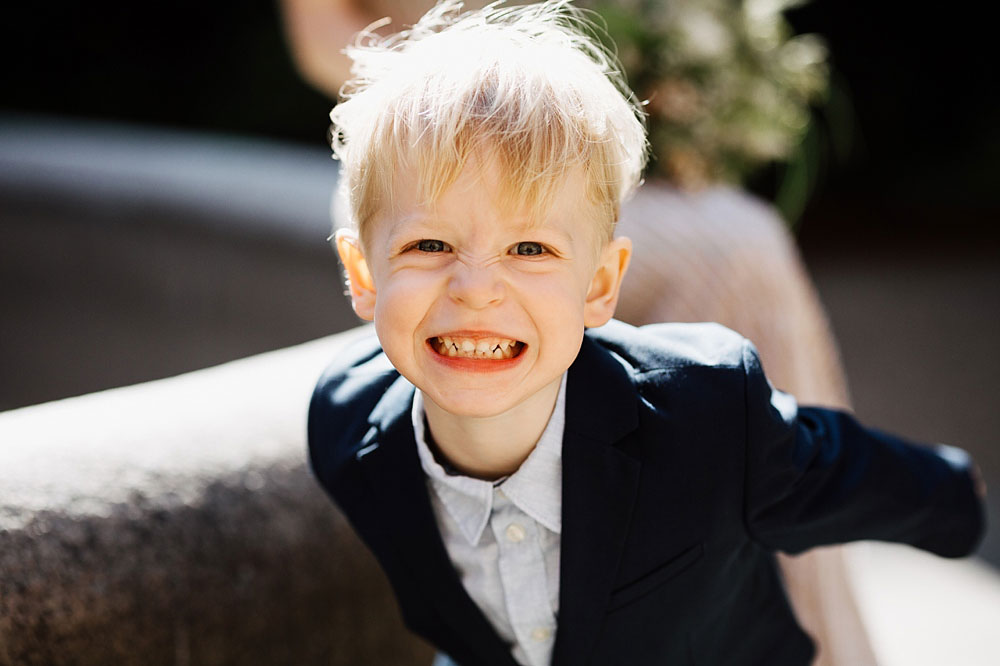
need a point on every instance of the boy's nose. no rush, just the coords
(476, 285)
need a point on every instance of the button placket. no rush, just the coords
(523, 576)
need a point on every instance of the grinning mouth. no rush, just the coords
(479, 348)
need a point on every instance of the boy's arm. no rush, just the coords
(816, 476)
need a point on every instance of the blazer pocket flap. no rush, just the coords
(659, 576)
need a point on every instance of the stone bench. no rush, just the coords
(175, 522)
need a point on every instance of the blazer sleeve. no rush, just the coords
(815, 476)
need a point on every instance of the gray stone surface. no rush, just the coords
(176, 523)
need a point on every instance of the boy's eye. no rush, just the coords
(529, 249)
(430, 245)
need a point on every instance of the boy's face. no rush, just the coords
(476, 306)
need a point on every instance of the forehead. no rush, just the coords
(483, 189)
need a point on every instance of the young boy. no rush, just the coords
(538, 492)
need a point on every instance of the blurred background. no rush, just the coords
(164, 185)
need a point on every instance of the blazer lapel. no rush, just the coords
(394, 472)
(600, 480)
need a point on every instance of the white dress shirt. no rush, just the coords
(503, 536)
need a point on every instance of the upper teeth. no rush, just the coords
(476, 348)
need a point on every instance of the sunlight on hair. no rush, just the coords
(528, 86)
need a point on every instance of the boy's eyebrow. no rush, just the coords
(417, 223)
(408, 226)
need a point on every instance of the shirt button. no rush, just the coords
(515, 533)
(540, 633)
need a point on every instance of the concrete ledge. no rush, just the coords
(247, 186)
(923, 609)
(175, 522)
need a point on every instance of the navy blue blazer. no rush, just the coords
(683, 471)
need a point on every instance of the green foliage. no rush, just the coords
(728, 87)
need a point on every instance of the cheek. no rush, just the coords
(564, 292)
(403, 302)
(405, 289)
(556, 307)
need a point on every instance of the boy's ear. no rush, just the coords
(360, 284)
(602, 297)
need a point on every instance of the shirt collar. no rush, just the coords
(535, 488)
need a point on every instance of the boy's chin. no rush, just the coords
(472, 402)
(491, 400)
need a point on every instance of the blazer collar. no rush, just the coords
(600, 480)
(393, 472)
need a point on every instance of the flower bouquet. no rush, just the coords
(727, 85)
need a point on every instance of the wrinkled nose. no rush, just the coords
(476, 285)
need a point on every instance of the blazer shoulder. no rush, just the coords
(342, 401)
(673, 346)
(357, 363)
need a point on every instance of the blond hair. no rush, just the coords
(530, 86)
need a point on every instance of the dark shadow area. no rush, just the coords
(218, 66)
